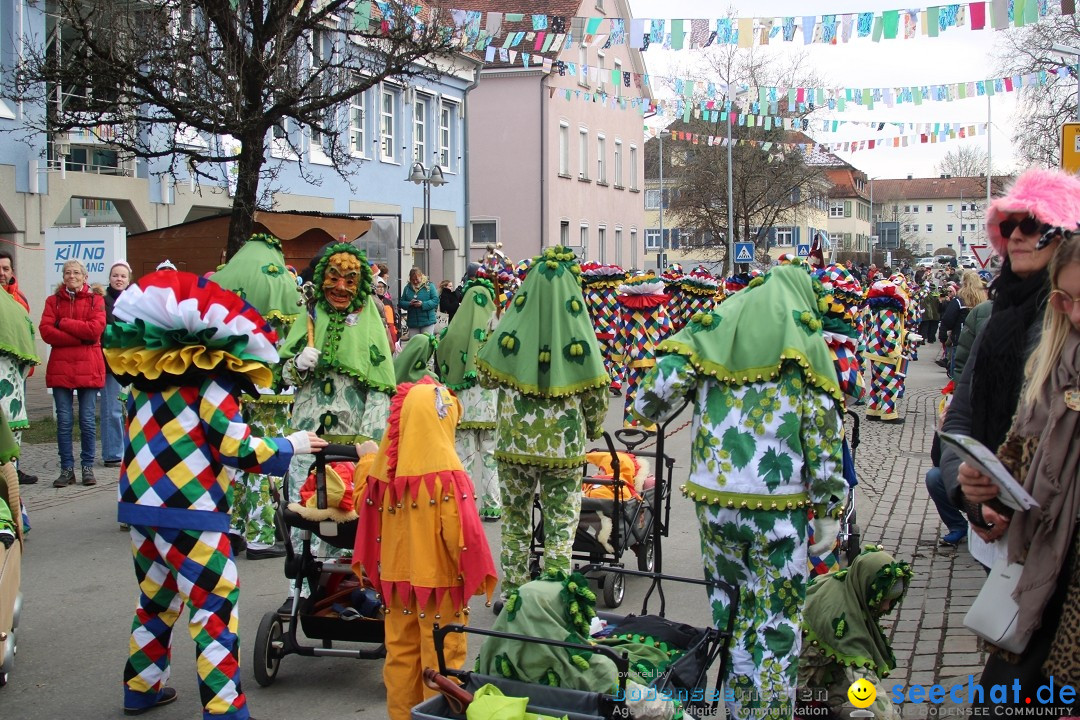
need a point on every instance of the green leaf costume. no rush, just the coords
(257, 273)
(17, 356)
(465, 335)
(411, 363)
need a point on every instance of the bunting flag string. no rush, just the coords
(476, 32)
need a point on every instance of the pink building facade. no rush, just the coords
(547, 170)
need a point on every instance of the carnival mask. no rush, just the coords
(342, 280)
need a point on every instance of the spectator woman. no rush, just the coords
(112, 411)
(72, 323)
(970, 294)
(1042, 454)
(419, 300)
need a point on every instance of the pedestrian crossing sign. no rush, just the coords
(744, 252)
(802, 250)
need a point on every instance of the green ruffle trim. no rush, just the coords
(362, 380)
(9, 456)
(749, 375)
(745, 501)
(475, 425)
(469, 380)
(509, 380)
(535, 461)
(270, 399)
(286, 320)
(811, 637)
(6, 349)
(18, 424)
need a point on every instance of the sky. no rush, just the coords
(956, 55)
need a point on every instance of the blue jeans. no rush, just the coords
(63, 399)
(953, 518)
(112, 421)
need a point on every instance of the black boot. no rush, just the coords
(26, 478)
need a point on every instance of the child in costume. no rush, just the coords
(843, 640)
(257, 273)
(189, 349)
(552, 384)
(643, 323)
(456, 359)
(338, 362)
(767, 444)
(420, 541)
(886, 338)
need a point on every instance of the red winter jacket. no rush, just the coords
(72, 325)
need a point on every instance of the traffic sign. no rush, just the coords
(802, 250)
(982, 254)
(1070, 147)
(744, 252)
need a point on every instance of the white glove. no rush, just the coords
(825, 531)
(915, 337)
(307, 359)
(301, 445)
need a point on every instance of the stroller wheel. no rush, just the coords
(646, 556)
(854, 543)
(267, 656)
(614, 589)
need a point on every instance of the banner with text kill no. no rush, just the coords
(95, 247)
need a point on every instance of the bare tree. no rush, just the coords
(197, 84)
(964, 161)
(1041, 109)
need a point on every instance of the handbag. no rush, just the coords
(994, 614)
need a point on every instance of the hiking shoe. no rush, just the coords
(67, 477)
(26, 478)
(88, 476)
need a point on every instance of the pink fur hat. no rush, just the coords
(1051, 195)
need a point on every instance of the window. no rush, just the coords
(633, 168)
(484, 233)
(785, 236)
(929, 208)
(601, 156)
(357, 122)
(583, 154)
(633, 248)
(963, 207)
(837, 239)
(601, 238)
(948, 228)
(836, 209)
(446, 118)
(600, 67)
(583, 66)
(618, 246)
(279, 145)
(564, 233)
(583, 240)
(617, 161)
(929, 228)
(907, 228)
(847, 241)
(420, 135)
(652, 240)
(652, 199)
(564, 149)
(387, 124)
(949, 207)
(617, 78)
(907, 209)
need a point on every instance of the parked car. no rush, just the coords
(926, 262)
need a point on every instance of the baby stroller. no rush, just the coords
(850, 536)
(338, 610)
(619, 511)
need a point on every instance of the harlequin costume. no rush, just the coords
(257, 273)
(739, 281)
(346, 393)
(643, 323)
(843, 639)
(552, 387)
(697, 293)
(885, 340)
(456, 359)
(189, 349)
(18, 356)
(420, 542)
(598, 285)
(767, 444)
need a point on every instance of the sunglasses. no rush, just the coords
(1063, 302)
(1028, 226)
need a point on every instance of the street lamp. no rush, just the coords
(660, 264)
(422, 176)
(730, 200)
(1074, 52)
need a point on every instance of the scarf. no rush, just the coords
(752, 334)
(998, 367)
(465, 335)
(16, 331)
(841, 613)
(545, 344)
(1053, 479)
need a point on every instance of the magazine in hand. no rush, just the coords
(978, 456)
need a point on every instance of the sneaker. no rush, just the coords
(88, 476)
(111, 463)
(954, 537)
(67, 477)
(26, 478)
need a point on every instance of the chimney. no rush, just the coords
(943, 176)
(909, 177)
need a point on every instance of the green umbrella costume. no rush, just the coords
(17, 357)
(258, 274)
(411, 363)
(346, 395)
(767, 443)
(549, 371)
(456, 358)
(844, 641)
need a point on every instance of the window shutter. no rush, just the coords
(796, 235)
(847, 208)
(676, 233)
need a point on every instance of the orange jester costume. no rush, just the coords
(420, 541)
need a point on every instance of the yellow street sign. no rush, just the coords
(1070, 147)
